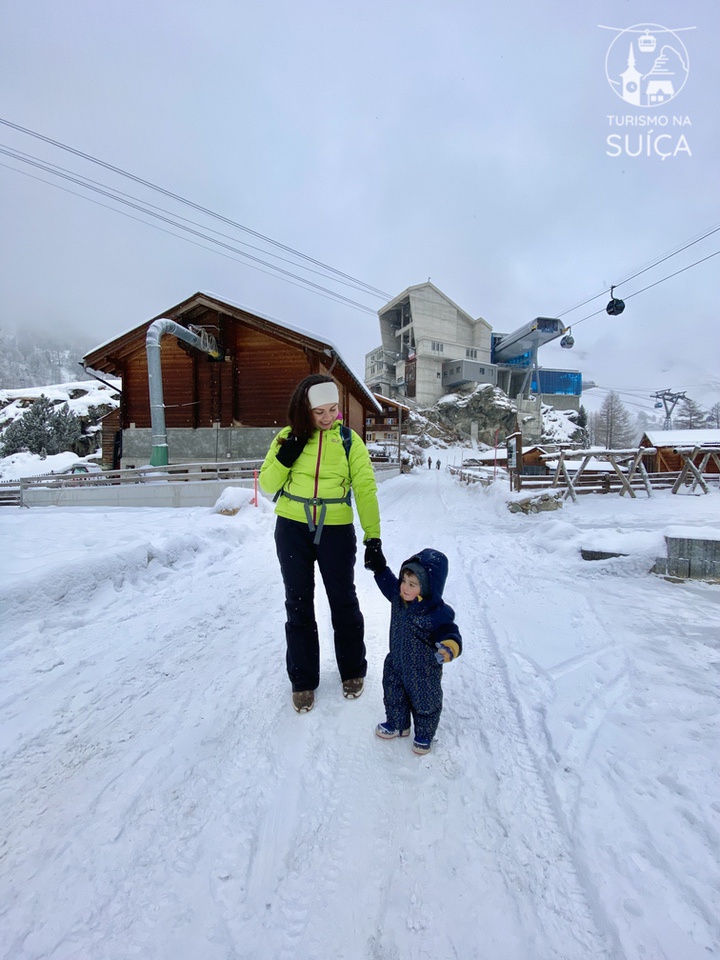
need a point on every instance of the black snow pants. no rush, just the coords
(335, 557)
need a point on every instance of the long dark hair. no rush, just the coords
(299, 411)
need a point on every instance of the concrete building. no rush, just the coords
(421, 331)
(431, 347)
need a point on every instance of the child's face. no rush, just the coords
(325, 416)
(409, 587)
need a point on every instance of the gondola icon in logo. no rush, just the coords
(647, 65)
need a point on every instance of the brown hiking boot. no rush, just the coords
(353, 688)
(303, 700)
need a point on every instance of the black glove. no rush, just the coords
(290, 450)
(374, 558)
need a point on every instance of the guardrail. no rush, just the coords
(9, 493)
(173, 473)
(239, 472)
(483, 476)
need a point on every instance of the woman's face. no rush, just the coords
(325, 416)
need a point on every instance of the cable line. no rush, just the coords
(170, 233)
(190, 203)
(180, 226)
(577, 323)
(71, 174)
(650, 266)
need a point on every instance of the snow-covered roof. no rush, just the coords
(682, 438)
(392, 402)
(501, 453)
(79, 395)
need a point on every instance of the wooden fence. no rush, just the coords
(575, 472)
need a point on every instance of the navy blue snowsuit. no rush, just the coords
(412, 676)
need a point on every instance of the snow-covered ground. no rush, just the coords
(26, 464)
(160, 799)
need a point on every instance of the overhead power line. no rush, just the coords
(170, 220)
(237, 259)
(195, 206)
(318, 267)
(121, 196)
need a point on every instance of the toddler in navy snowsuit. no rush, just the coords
(423, 636)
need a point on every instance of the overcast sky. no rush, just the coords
(393, 141)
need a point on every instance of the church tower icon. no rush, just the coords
(631, 81)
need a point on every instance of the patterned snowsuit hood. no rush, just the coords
(431, 568)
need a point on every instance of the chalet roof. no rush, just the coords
(501, 453)
(681, 438)
(104, 357)
(392, 402)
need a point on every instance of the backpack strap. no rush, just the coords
(346, 436)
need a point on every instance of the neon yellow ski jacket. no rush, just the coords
(324, 471)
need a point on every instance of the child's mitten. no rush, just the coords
(444, 653)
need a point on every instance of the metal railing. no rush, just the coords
(171, 473)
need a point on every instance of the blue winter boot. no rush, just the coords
(387, 732)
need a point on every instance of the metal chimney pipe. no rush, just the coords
(157, 329)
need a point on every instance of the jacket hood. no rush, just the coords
(431, 568)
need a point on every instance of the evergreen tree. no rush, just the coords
(612, 425)
(581, 436)
(42, 429)
(690, 416)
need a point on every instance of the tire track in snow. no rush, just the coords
(539, 861)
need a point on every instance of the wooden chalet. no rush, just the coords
(227, 408)
(531, 458)
(386, 425)
(668, 442)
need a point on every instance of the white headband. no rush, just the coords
(321, 393)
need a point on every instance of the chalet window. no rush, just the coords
(436, 347)
(471, 354)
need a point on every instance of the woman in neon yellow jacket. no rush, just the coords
(313, 466)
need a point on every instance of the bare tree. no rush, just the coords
(713, 416)
(612, 427)
(690, 416)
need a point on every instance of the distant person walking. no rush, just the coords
(429, 463)
(313, 466)
(437, 464)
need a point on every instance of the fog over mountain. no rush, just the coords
(30, 358)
